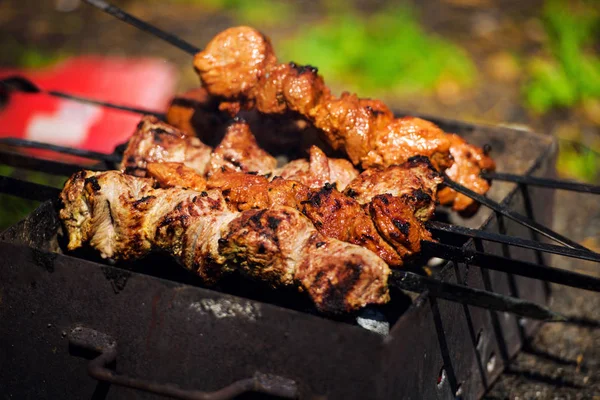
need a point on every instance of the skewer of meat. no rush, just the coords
(156, 141)
(239, 66)
(124, 217)
(387, 221)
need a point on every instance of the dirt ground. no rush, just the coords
(563, 360)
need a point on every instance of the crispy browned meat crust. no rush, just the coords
(124, 217)
(340, 216)
(319, 170)
(240, 66)
(176, 175)
(469, 161)
(238, 151)
(416, 182)
(156, 141)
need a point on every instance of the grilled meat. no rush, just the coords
(238, 151)
(124, 217)
(416, 181)
(176, 175)
(392, 234)
(469, 161)
(319, 170)
(239, 65)
(156, 141)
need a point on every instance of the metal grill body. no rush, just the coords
(171, 331)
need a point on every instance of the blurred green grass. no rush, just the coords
(255, 12)
(569, 71)
(567, 76)
(385, 52)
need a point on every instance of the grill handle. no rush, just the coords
(99, 342)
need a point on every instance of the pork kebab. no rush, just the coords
(156, 141)
(239, 67)
(125, 217)
(381, 209)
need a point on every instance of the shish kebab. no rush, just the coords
(373, 212)
(211, 241)
(445, 290)
(172, 148)
(183, 113)
(380, 209)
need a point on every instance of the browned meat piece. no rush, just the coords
(238, 151)
(319, 170)
(176, 175)
(123, 217)
(416, 181)
(244, 191)
(469, 161)
(234, 61)
(364, 129)
(337, 215)
(407, 137)
(397, 224)
(156, 141)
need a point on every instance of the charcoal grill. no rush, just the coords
(168, 329)
(165, 333)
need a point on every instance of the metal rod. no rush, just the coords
(475, 297)
(21, 84)
(435, 226)
(521, 219)
(47, 166)
(543, 182)
(27, 190)
(511, 266)
(145, 26)
(32, 144)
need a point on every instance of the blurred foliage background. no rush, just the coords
(531, 64)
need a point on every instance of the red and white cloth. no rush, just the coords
(146, 83)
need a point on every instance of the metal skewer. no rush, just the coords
(46, 166)
(511, 266)
(543, 182)
(24, 85)
(435, 226)
(32, 144)
(130, 19)
(521, 219)
(27, 190)
(466, 295)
